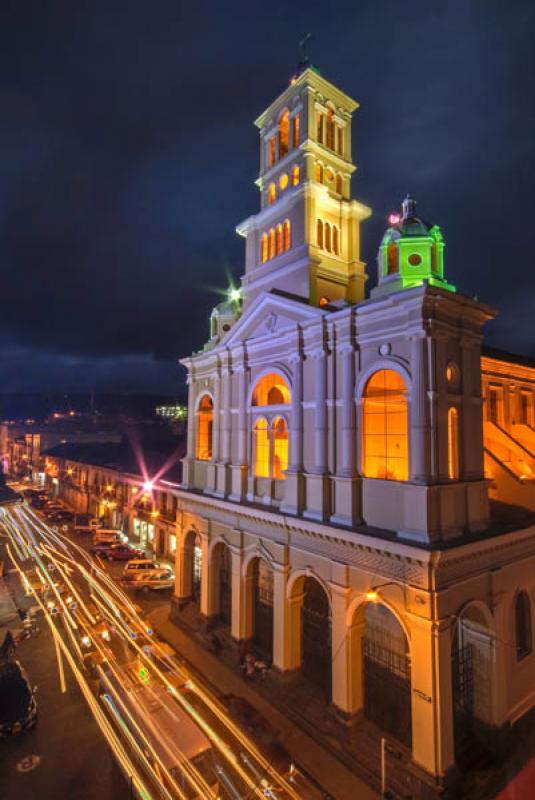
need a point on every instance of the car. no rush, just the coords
(162, 579)
(122, 552)
(18, 707)
(101, 548)
(143, 565)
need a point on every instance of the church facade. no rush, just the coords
(334, 512)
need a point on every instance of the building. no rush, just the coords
(334, 512)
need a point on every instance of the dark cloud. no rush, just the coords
(128, 155)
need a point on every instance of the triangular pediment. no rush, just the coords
(269, 316)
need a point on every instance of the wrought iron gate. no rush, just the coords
(387, 688)
(316, 661)
(263, 614)
(224, 591)
(463, 694)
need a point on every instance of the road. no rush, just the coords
(170, 735)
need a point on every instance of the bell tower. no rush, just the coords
(305, 240)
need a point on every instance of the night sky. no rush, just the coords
(128, 155)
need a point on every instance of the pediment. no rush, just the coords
(270, 316)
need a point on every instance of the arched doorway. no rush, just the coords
(472, 659)
(221, 574)
(386, 673)
(192, 567)
(261, 577)
(316, 656)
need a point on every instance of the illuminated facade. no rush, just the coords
(338, 518)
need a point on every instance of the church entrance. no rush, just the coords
(316, 661)
(262, 576)
(387, 677)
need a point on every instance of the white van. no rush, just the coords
(109, 535)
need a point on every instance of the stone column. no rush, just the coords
(223, 468)
(341, 651)
(211, 471)
(207, 600)
(431, 695)
(239, 470)
(346, 504)
(182, 572)
(419, 471)
(282, 649)
(294, 486)
(188, 462)
(238, 627)
(317, 493)
(471, 422)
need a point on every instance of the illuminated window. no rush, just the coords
(319, 173)
(271, 151)
(329, 175)
(271, 390)
(327, 237)
(280, 448)
(205, 417)
(272, 193)
(319, 127)
(451, 373)
(319, 233)
(283, 181)
(453, 444)
(385, 451)
(392, 262)
(295, 176)
(493, 405)
(271, 249)
(339, 140)
(264, 248)
(261, 445)
(278, 245)
(330, 129)
(522, 625)
(335, 240)
(284, 134)
(286, 235)
(295, 130)
(339, 184)
(524, 408)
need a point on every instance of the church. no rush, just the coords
(354, 464)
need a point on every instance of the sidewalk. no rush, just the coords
(325, 768)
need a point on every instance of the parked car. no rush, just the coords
(122, 552)
(101, 548)
(144, 566)
(164, 579)
(18, 707)
(108, 535)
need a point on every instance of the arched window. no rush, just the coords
(339, 140)
(339, 184)
(287, 241)
(319, 127)
(385, 448)
(295, 175)
(271, 151)
(392, 264)
(330, 129)
(280, 448)
(453, 444)
(319, 173)
(272, 193)
(261, 449)
(271, 250)
(264, 248)
(335, 240)
(327, 237)
(205, 417)
(295, 130)
(278, 246)
(523, 625)
(319, 233)
(284, 134)
(271, 390)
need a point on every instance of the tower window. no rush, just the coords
(295, 130)
(319, 173)
(385, 427)
(271, 251)
(392, 264)
(493, 406)
(284, 134)
(319, 127)
(272, 193)
(283, 181)
(286, 235)
(330, 129)
(453, 444)
(339, 184)
(319, 233)
(295, 176)
(524, 408)
(271, 144)
(335, 240)
(339, 140)
(278, 248)
(205, 417)
(329, 175)
(264, 248)
(327, 237)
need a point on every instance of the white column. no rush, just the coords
(341, 650)
(282, 630)
(238, 625)
(217, 411)
(206, 602)
(227, 399)
(191, 416)
(320, 433)
(347, 465)
(296, 427)
(418, 416)
(242, 414)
